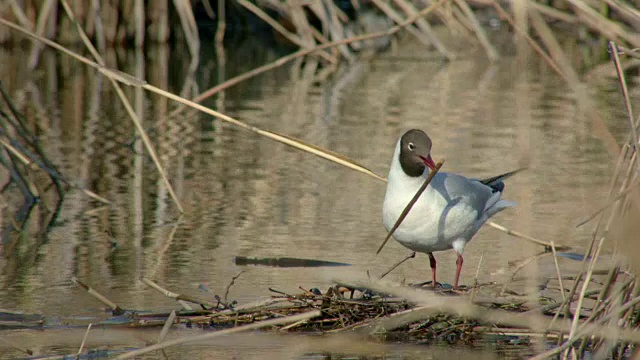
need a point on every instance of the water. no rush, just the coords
(245, 195)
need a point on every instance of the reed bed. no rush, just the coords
(311, 24)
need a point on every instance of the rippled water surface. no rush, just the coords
(246, 195)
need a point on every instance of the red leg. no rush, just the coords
(432, 263)
(459, 262)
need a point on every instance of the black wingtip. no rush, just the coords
(496, 182)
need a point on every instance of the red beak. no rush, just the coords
(429, 162)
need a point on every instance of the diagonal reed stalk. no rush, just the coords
(84, 340)
(167, 326)
(611, 202)
(176, 296)
(117, 310)
(410, 205)
(394, 266)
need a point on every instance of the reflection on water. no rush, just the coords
(247, 196)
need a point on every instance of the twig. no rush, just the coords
(233, 280)
(555, 261)
(475, 282)
(410, 204)
(585, 285)
(519, 266)
(84, 339)
(176, 296)
(191, 339)
(23, 158)
(117, 310)
(630, 52)
(601, 303)
(613, 49)
(524, 237)
(161, 253)
(167, 326)
(611, 202)
(410, 256)
(295, 324)
(549, 307)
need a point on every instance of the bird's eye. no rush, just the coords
(411, 146)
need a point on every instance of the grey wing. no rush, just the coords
(471, 193)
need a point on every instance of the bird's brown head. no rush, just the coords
(415, 152)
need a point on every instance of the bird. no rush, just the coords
(448, 213)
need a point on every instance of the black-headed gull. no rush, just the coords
(449, 212)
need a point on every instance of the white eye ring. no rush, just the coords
(411, 146)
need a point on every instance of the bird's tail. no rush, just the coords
(496, 183)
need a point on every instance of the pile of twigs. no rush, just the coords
(386, 312)
(342, 308)
(418, 314)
